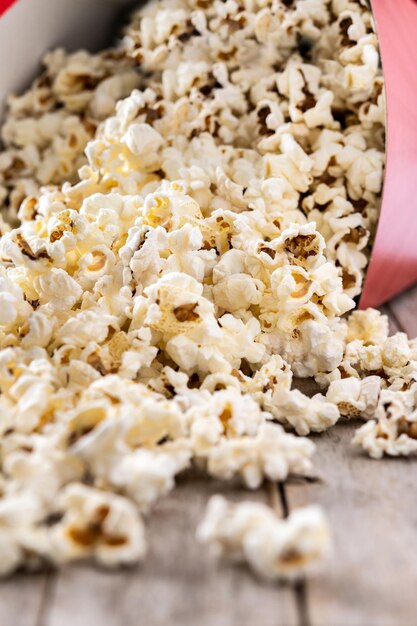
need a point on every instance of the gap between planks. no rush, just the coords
(370, 578)
(47, 592)
(56, 598)
(178, 583)
(278, 501)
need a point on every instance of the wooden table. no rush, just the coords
(370, 579)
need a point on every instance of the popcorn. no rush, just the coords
(21, 541)
(355, 398)
(368, 326)
(394, 430)
(37, 464)
(143, 141)
(147, 475)
(225, 412)
(97, 525)
(378, 439)
(57, 290)
(272, 547)
(304, 414)
(174, 259)
(12, 305)
(271, 454)
(47, 128)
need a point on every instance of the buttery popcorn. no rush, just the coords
(171, 260)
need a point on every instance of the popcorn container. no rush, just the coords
(28, 28)
(393, 264)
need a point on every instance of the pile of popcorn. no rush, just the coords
(156, 305)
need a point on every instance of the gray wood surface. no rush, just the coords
(178, 584)
(369, 580)
(371, 576)
(404, 310)
(21, 599)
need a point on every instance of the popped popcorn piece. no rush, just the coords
(303, 413)
(272, 454)
(379, 438)
(274, 548)
(22, 541)
(394, 431)
(147, 475)
(369, 326)
(354, 397)
(98, 525)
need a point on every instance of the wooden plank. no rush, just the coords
(179, 583)
(404, 308)
(21, 599)
(370, 578)
(394, 325)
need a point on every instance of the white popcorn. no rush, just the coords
(42, 472)
(303, 413)
(272, 547)
(96, 524)
(225, 412)
(311, 348)
(12, 306)
(354, 397)
(110, 90)
(143, 141)
(84, 326)
(175, 258)
(57, 290)
(146, 475)
(238, 291)
(379, 439)
(396, 351)
(21, 539)
(394, 431)
(271, 454)
(369, 326)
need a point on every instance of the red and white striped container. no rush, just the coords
(28, 28)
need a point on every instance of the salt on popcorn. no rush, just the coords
(155, 307)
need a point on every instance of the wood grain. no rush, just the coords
(394, 325)
(178, 584)
(370, 578)
(404, 310)
(21, 599)
(369, 581)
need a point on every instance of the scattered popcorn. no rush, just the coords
(187, 219)
(304, 414)
(394, 431)
(22, 540)
(272, 454)
(98, 524)
(354, 397)
(274, 548)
